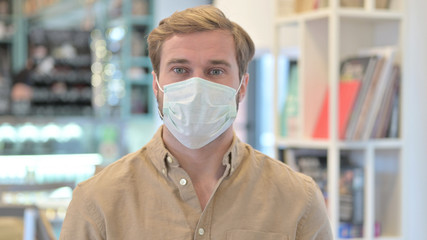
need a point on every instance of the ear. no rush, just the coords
(244, 87)
(154, 84)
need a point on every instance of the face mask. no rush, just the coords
(197, 111)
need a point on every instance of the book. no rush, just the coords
(348, 91)
(285, 7)
(351, 191)
(353, 71)
(350, 230)
(310, 162)
(388, 54)
(393, 128)
(360, 113)
(315, 167)
(289, 158)
(352, 3)
(383, 120)
(289, 126)
(372, 67)
(304, 5)
(382, 4)
(320, 4)
(5, 80)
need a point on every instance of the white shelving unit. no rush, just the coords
(320, 39)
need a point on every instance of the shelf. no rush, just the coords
(296, 18)
(135, 63)
(34, 187)
(344, 145)
(6, 17)
(45, 119)
(58, 8)
(133, 20)
(302, 143)
(370, 15)
(374, 143)
(7, 32)
(141, 20)
(139, 83)
(50, 160)
(141, 62)
(6, 41)
(360, 14)
(376, 238)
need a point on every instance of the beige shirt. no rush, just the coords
(147, 195)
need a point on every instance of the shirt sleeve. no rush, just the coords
(315, 224)
(83, 219)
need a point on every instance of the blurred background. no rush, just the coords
(76, 95)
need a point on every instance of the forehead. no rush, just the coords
(199, 47)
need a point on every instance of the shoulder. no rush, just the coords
(283, 176)
(124, 176)
(114, 176)
(296, 190)
(95, 201)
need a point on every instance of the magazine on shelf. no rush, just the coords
(368, 118)
(360, 113)
(355, 71)
(388, 54)
(354, 117)
(385, 114)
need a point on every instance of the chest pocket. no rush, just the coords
(254, 235)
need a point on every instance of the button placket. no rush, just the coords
(183, 184)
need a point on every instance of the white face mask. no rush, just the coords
(197, 111)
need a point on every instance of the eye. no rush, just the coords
(179, 70)
(216, 72)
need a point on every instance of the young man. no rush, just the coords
(195, 179)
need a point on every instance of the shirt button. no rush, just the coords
(183, 182)
(164, 171)
(201, 231)
(169, 159)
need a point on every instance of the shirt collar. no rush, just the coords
(158, 154)
(233, 156)
(157, 151)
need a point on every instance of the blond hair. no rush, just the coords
(199, 19)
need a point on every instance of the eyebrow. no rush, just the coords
(220, 62)
(185, 61)
(177, 60)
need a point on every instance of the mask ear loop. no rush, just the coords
(240, 85)
(158, 110)
(158, 85)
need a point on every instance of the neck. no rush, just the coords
(203, 163)
(204, 166)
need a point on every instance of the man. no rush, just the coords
(195, 179)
